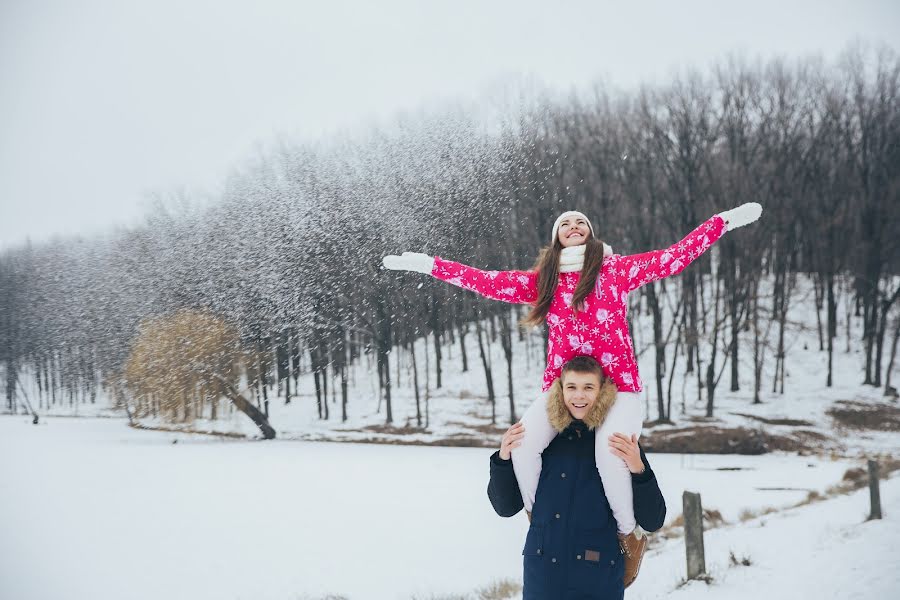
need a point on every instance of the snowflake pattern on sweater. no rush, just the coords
(601, 329)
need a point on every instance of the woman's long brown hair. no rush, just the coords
(547, 267)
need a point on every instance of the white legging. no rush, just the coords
(626, 415)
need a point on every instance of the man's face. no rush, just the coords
(580, 392)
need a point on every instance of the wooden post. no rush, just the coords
(874, 493)
(693, 535)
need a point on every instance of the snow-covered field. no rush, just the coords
(92, 509)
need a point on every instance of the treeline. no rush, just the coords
(290, 254)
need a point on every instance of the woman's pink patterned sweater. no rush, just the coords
(600, 330)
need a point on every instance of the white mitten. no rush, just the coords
(742, 215)
(409, 261)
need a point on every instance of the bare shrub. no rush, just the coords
(180, 364)
(499, 590)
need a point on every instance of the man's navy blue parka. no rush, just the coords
(572, 549)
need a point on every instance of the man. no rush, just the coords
(572, 548)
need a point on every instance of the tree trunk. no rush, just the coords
(818, 293)
(463, 330)
(711, 368)
(506, 342)
(757, 346)
(890, 367)
(660, 348)
(485, 359)
(383, 349)
(435, 330)
(882, 326)
(415, 370)
(831, 319)
(246, 407)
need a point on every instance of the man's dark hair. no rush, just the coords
(582, 364)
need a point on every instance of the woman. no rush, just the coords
(571, 548)
(580, 288)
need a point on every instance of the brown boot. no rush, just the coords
(632, 547)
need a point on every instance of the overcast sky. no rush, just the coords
(103, 102)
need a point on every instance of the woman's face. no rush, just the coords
(573, 231)
(580, 392)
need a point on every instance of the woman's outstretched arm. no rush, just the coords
(517, 287)
(636, 270)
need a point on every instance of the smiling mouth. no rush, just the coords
(579, 405)
(574, 234)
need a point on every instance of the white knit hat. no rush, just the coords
(565, 215)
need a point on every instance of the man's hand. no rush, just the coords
(627, 449)
(511, 439)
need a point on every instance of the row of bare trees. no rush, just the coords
(290, 255)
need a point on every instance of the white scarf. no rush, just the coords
(571, 259)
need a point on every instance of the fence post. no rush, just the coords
(693, 534)
(874, 493)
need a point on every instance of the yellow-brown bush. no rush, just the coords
(180, 363)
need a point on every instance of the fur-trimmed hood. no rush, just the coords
(561, 418)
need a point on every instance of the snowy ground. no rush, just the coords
(823, 550)
(92, 509)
